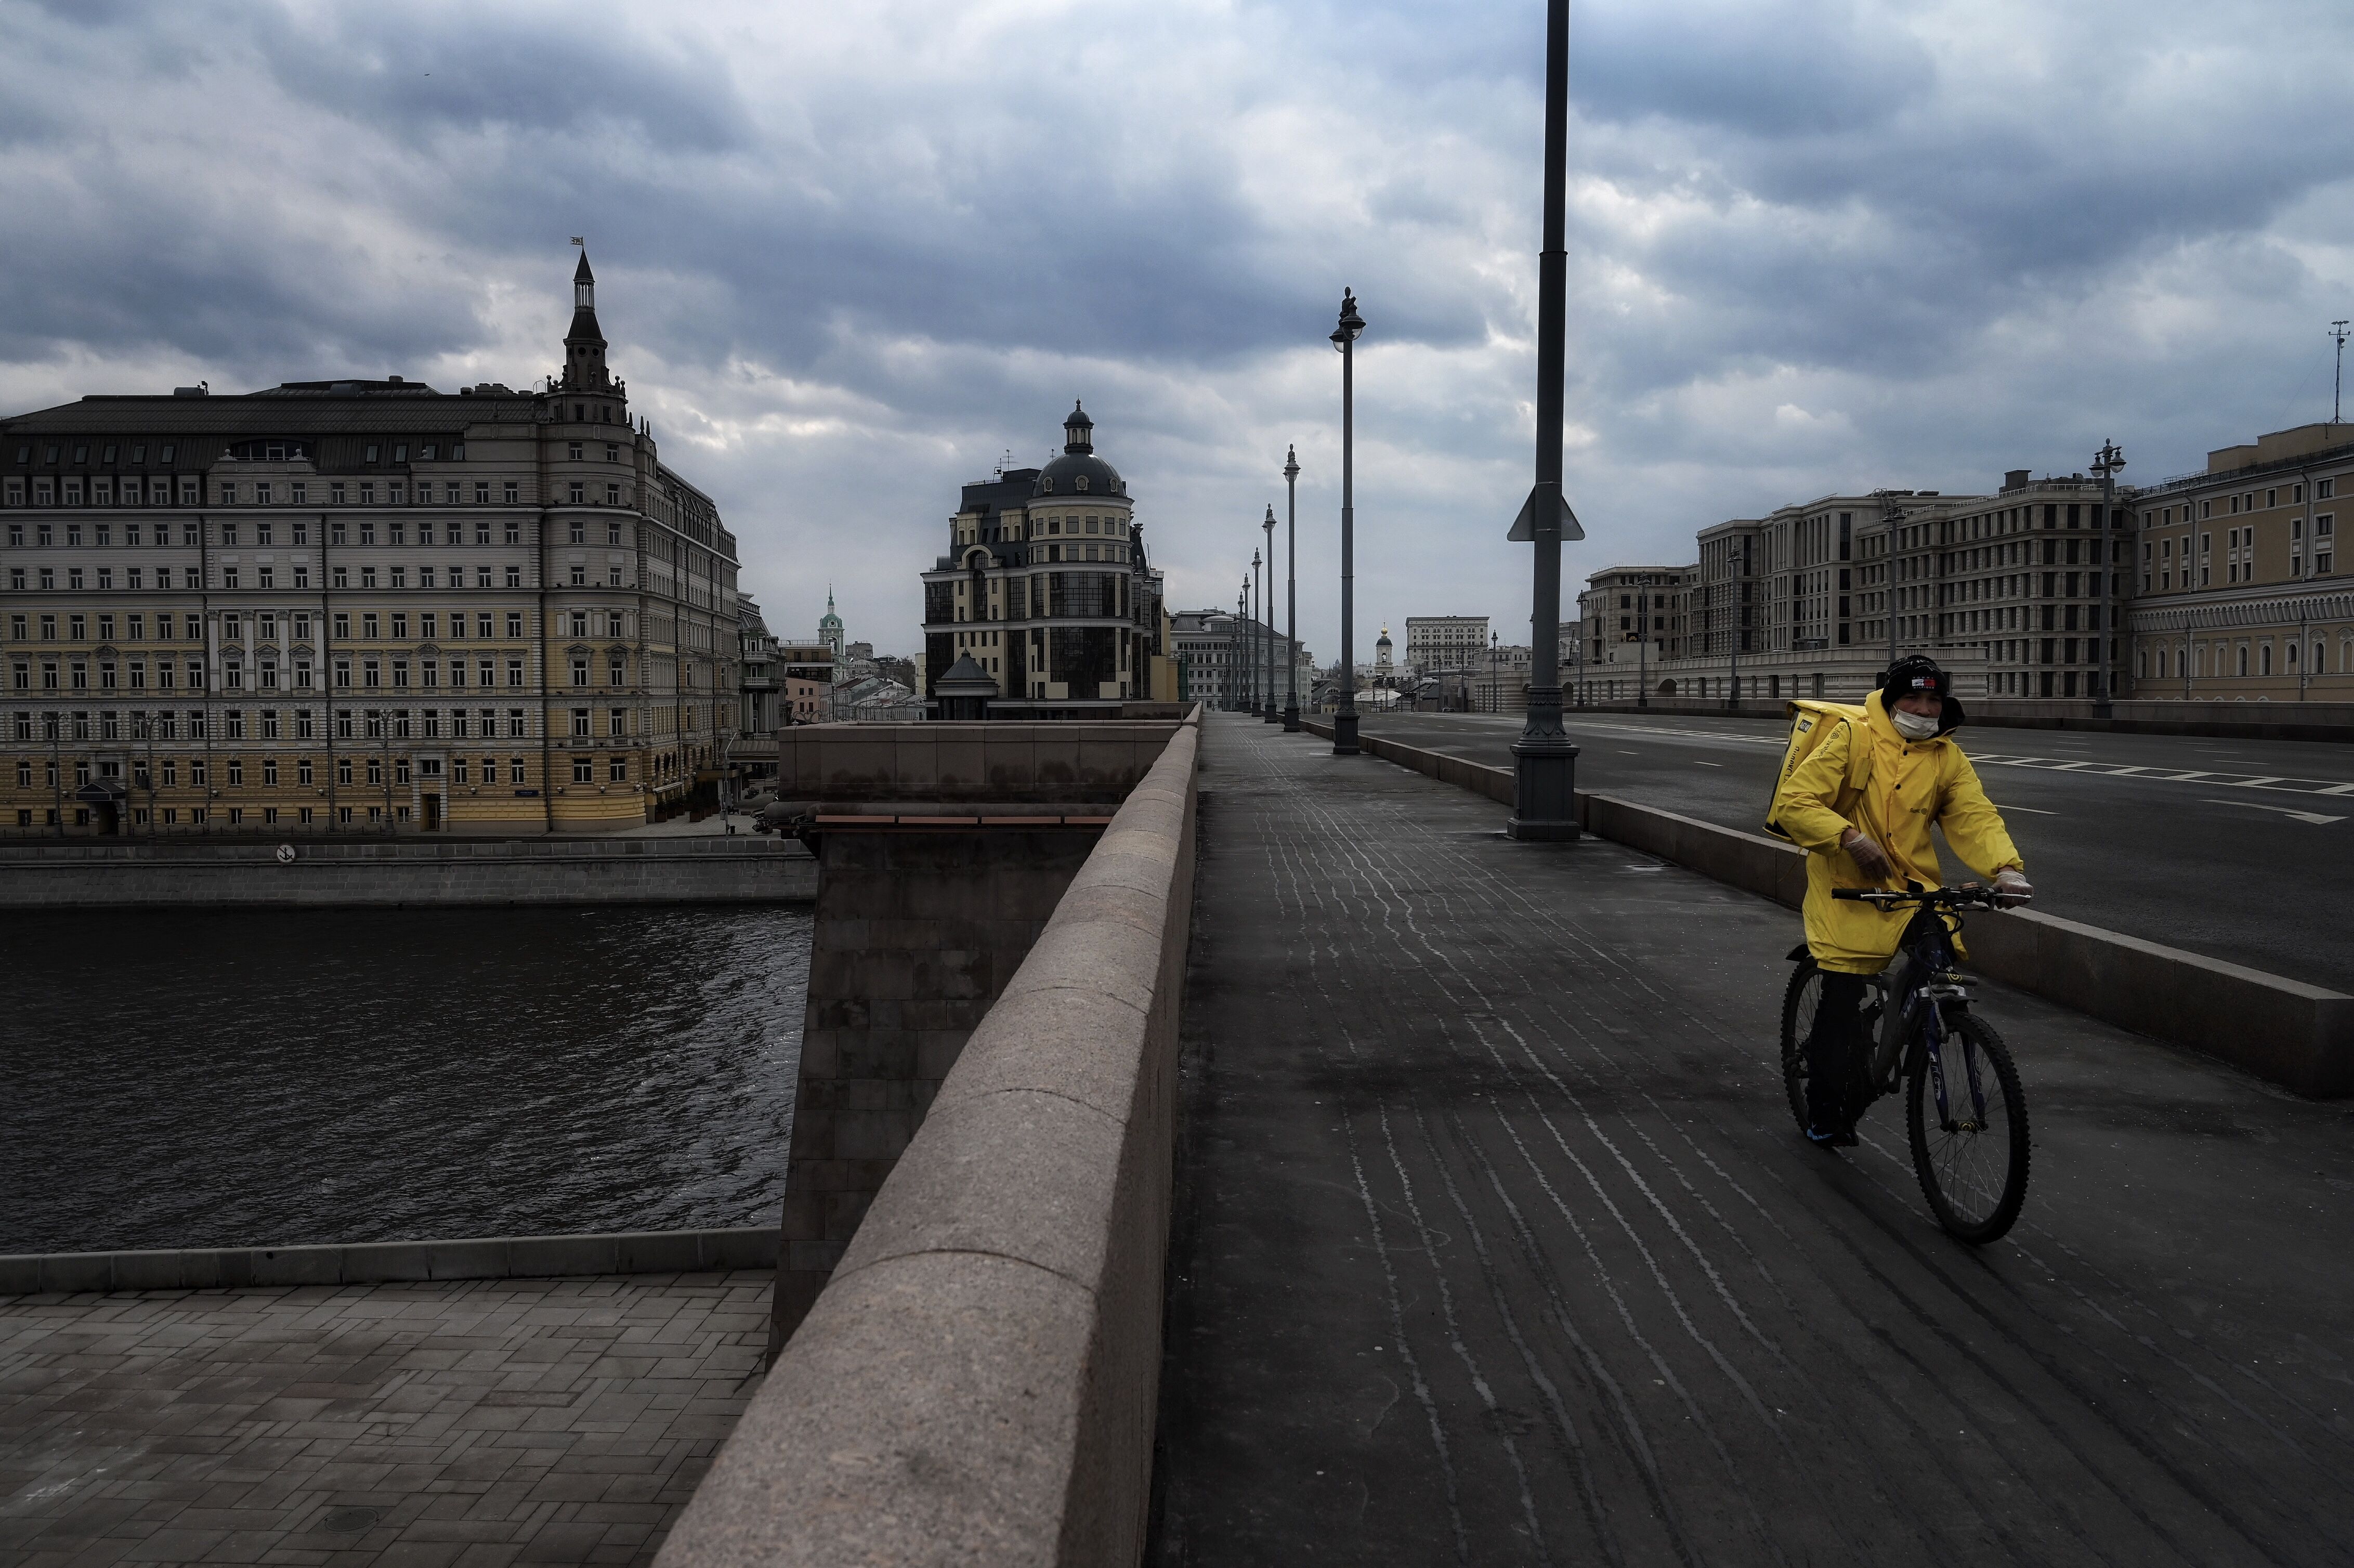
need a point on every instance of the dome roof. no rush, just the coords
(1078, 470)
(1061, 476)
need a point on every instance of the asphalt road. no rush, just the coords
(1495, 1241)
(2242, 850)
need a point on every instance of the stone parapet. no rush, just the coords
(997, 760)
(977, 1382)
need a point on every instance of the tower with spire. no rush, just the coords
(829, 629)
(583, 343)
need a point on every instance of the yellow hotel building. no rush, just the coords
(360, 607)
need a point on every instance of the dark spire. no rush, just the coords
(584, 345)
(1078, 430)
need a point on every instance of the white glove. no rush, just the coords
(1869, 857)
(2012, 888)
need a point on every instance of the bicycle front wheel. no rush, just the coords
(1800, 1001)
(1972, 1163)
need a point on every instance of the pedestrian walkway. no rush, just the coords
(1497, 1245)
(474, 1423)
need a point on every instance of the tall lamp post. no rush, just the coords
(1251, 627)
(1544, 763)
(1269, 715)
(1642, 650)
(1235, 650)
(1345, 721)
(2106, 463)
(1291, 588)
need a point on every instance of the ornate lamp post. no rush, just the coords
(1268, 715)
(1250, 629)
(2106, 463)
(1344, 722)
(1544, 763)
(1291, 588)
(1235, 650)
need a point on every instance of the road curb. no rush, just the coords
(2297, 1035)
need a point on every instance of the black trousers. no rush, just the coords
(1836, 1049)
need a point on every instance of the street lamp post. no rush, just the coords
(1344, 336)
(1544, 763)
(1250, 630)
(2106, 463)
(1235, 650)
(1642, 650)
(1291, 588)
(1268, 604)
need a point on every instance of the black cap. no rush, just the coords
(1918, 675)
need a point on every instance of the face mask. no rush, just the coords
(1912, 726)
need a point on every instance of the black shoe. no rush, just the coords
(1828, 1139)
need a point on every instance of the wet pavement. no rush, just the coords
(476, 1422)
(1496, 1241)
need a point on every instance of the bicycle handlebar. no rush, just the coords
(1970, 896)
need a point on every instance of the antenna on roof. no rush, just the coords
(2338, 331)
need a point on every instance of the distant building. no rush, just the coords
(828, 628)
(1384, 653)
(2238, 593)
(805, 681)
(1046, 588)
(1435, 642)
(1216, 654)
(759, 677)
(360, 606)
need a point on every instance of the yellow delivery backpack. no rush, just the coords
(1810, 721)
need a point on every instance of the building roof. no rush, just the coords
(311, 409)
(965, 679)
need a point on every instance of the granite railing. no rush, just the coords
(977, 1382)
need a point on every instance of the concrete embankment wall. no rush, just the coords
(997, 760)
(378, 1263)
(2297, 1035)
(637, 870)
(977, 1382)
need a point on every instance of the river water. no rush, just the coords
(201, 1078)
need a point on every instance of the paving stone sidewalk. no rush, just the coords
(1496, 1241)
(478, 1421)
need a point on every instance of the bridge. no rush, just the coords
(1212, 1150)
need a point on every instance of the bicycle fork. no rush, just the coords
(1933, 1039)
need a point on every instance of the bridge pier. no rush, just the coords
(923, 915)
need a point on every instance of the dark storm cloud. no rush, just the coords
(851, 255)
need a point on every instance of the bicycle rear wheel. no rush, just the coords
(1973, 1167)
(1800, 999)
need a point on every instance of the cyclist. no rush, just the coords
(1863, 818)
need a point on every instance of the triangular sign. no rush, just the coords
(1524, 527)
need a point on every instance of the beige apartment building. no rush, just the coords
(1438, 642)
(358, 606)
(2240, 593)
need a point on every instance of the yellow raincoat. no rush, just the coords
(1910, 785)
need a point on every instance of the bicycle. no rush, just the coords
(1972, 1165)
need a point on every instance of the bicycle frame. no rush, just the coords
(1913, 1011)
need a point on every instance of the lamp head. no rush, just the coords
(1351, 323)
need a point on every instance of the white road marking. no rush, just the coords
(1698, 764)
(2038, 810)
(2316, 817)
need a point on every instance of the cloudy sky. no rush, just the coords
(851, 254)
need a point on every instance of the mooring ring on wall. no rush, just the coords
(286, 854)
